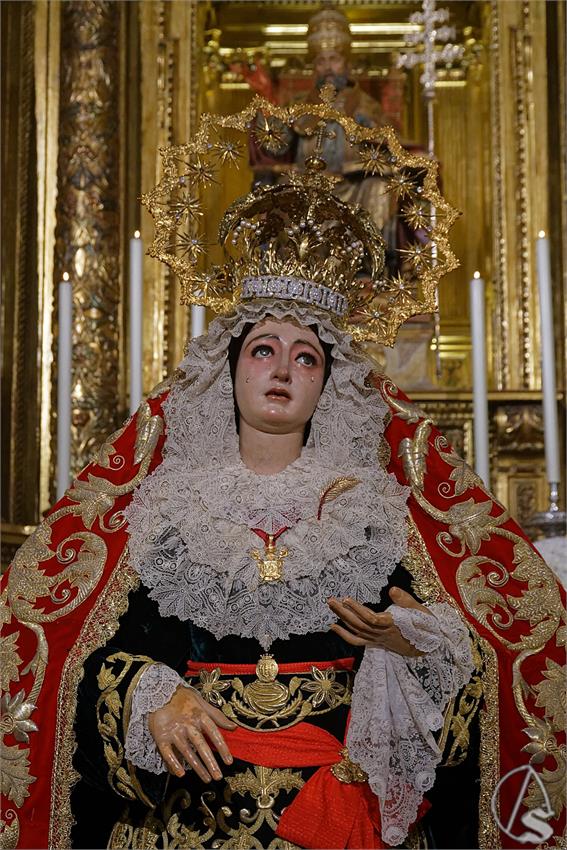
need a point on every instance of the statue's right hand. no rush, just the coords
(181, 728)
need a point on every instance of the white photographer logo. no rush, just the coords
(537, 830)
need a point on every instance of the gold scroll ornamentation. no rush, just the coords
(35, 597)
(469, 523)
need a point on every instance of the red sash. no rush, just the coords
(326, 812)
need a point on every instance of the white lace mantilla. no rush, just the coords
(190, 521)
(398, 703)
(156, 686)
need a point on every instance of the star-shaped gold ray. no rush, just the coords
(181, 205)
(227, 151)
(187, 244)
(417, 216)
(374, 159)
(198, 171)
(417, 255)
(402, 184)
(272, 134)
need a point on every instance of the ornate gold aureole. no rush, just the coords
(267, 249)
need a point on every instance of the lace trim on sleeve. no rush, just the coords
(156, 687)
(398, 703)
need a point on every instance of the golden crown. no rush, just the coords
(297, 240)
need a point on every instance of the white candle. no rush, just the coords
(136, 261)
(197, 320)
(551, 430)
(64, 360)
(480, 391)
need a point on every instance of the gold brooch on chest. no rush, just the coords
(271, 560)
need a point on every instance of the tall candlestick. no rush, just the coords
(64, 360)
(197, 320)
(136, 260)
(551, 429)
(480, 391)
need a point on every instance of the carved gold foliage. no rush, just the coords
(16, 776)
(88, 221)
(414, 454)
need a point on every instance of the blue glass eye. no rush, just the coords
(306, 358)
(262, 351)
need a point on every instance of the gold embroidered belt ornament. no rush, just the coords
(271, 560)
(266, 702)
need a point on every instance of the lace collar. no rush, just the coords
(190, 521)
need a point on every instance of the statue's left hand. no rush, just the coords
(363, 627)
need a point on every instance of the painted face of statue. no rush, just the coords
(330, 66)
(279, 377)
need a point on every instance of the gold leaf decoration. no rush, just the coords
(16, 776)
(462, 474)
(472, 523)
(413, 453)
(9, 660)
(148, 431)
(552, 694)
(16, 717)
(105, 678)
(335, 489)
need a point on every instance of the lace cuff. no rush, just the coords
(157, 685)
(398, 703)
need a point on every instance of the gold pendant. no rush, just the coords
(270, 561)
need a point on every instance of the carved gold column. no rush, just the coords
(525, 200)
(171, 35)
(520, 154)
(87, 234)
(20, 385)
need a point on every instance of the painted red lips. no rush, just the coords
(278, 392)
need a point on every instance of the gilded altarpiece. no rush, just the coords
(91, 90)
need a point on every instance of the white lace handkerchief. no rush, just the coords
(398, 703)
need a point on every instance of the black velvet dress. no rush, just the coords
(117, 805)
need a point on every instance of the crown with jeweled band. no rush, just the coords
(297, 241)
